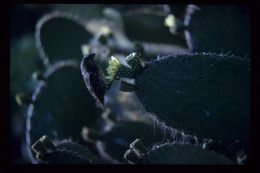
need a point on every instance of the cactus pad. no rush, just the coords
(60, 36)
(217, 29)
(183, 154)
(205, 94)
(61, 105)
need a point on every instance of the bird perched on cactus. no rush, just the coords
(94, 78)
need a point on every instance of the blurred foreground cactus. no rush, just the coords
(140, 85)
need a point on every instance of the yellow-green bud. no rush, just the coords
(112, 68)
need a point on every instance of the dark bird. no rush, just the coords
(93, 78)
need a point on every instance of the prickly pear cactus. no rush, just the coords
(50, 112)
(136, 84)
(62, 152)
(176, 154)
(209, 91)
(218, 29)
(152, 22)
(60, 36)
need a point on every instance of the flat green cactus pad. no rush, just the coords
(62, 152)
(61, 107)
(59, 36)
(205, 95)
(183, 154)
(150, 28)
(218, 29)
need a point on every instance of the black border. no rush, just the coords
(6, 90)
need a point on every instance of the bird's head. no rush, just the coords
(87, 62)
